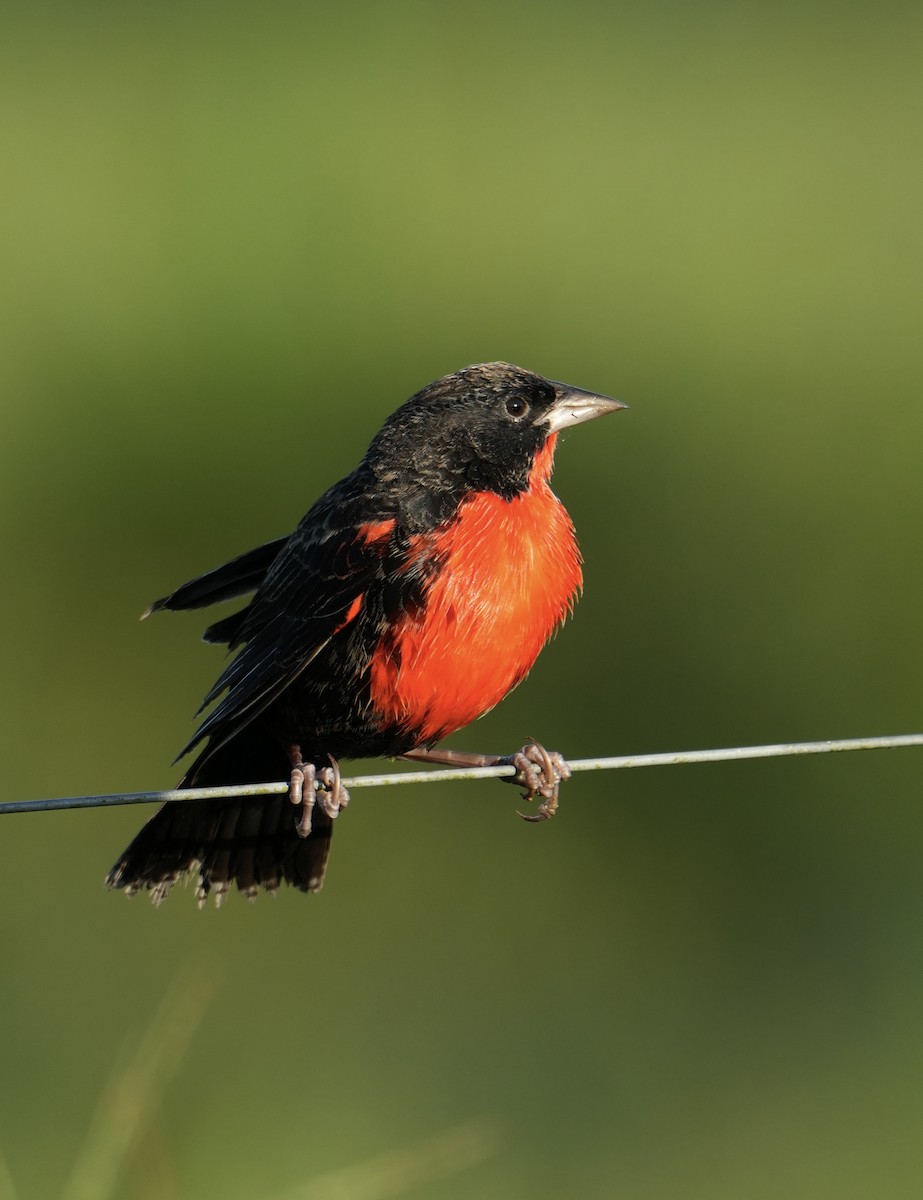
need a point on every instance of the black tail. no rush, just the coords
(250, 841)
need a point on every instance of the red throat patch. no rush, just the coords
(511, 575)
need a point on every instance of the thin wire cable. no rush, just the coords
(395, 778)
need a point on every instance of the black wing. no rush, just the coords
(236, 578)
(304, 600)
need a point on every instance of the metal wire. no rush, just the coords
(395, 778)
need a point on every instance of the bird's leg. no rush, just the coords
(308, 787)
(539, 771)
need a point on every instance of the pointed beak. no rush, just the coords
(572, 406)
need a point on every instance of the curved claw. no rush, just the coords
(543, 813)
(541, 773)
(331, 795)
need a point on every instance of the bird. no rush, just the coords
(411, 598)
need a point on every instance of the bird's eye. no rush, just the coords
(516, 406)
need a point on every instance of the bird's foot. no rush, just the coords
(309, 786)
(541, 772)
(331, 795)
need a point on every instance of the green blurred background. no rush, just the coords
(235, 237)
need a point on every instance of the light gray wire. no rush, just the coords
(394, 778)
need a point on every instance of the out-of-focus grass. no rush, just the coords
(133, 1093)
(399, 1172)
(7, 1187)
(128, 1106)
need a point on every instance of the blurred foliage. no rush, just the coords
(235, 238)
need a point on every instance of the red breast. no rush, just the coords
(511, 574)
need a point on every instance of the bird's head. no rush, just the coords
(479, 429)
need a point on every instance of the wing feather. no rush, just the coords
(236, 578)
(306, 598)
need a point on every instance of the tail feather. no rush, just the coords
(248, 841)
